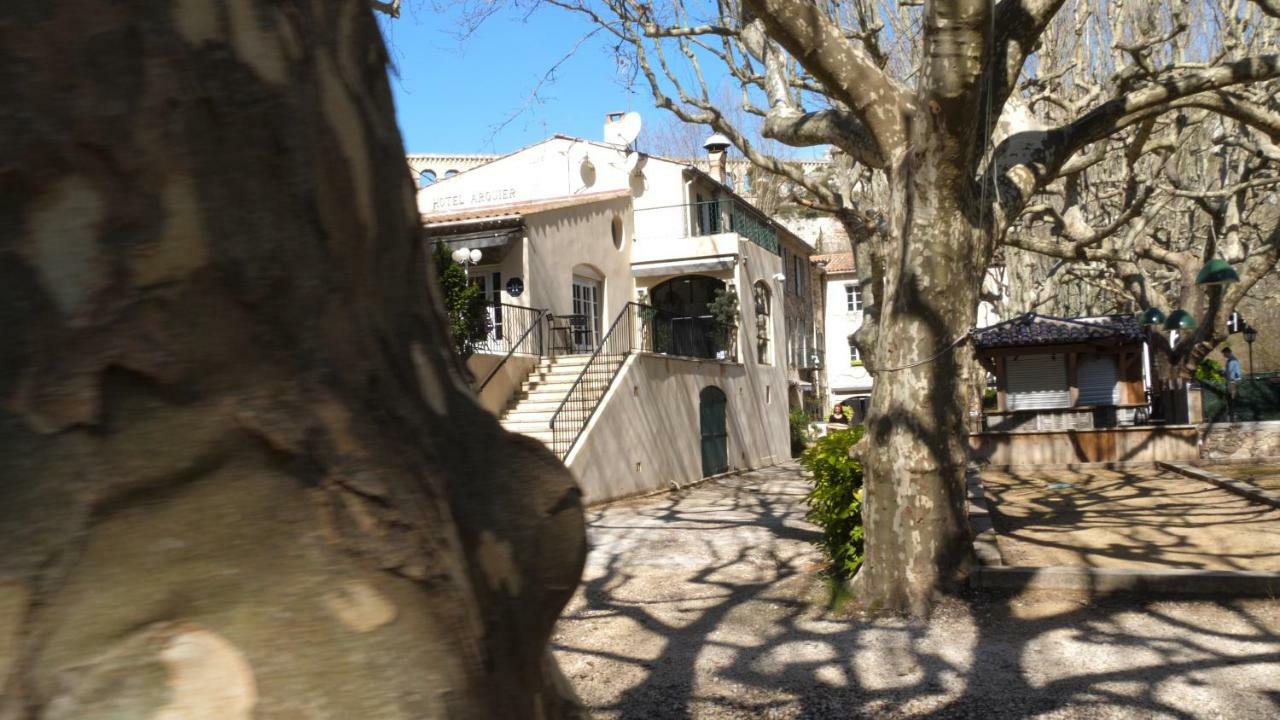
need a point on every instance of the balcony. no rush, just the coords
(702, 236)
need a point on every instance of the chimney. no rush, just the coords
(717, 147)
(612, 127)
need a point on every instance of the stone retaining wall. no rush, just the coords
(1246, 440)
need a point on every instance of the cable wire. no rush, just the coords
(931, 358)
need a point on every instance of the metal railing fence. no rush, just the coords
(573, 414)
(521, 331)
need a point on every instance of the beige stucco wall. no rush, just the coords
(646, 434)
(557, 241)
(498, 393)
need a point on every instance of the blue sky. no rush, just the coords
(451, 95)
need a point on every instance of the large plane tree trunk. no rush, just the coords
(239, 477)
(915, 451)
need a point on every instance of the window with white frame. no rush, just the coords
(853, 297)
(855, 357)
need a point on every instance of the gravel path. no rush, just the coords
(1131, 517)
(706, 603)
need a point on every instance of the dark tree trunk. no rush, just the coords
(239, 476)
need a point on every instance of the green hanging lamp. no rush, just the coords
(1181, 320)
(1152, 316)
(1217, 272)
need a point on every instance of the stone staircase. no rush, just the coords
(542, 392)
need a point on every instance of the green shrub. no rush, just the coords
(799, 423)
(989, 399)
(465, 303)
(835, 503)
(1209, 372)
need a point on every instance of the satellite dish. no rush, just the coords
(633, 162)
(588, 166)
(629, 128)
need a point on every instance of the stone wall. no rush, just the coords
(1239, 441)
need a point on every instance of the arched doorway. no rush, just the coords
(715, 431)
(683, 324)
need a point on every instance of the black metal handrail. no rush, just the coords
(535, 324)
(575, 411)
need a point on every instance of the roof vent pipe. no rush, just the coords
(717, 147)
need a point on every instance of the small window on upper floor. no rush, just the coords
(853, 297)
(616, 228)
(855, 357)
(450, 173)
(426, 177)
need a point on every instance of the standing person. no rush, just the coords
(838, 415)
(1233, 382)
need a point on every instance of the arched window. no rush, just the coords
(764, 327)
(683, 324)
(426, 177)
(450, 173)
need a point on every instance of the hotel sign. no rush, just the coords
(480, 197)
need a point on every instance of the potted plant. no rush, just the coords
(647, 313)
(725, 312)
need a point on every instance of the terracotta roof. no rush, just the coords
(1032, 329)
(836, 262)
(529, 207)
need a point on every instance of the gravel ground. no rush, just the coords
(1264, 475)
(1132, 517)
(707, 603)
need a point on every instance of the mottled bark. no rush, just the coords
(915, 452)
(239, 476)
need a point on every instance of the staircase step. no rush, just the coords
(523, 415)
(546, 404)
(558, 387)
(526, 427)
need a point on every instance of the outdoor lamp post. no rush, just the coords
(466, 258)
(1181, 320)
(1153, 316)
(1217, 272)
(1250, 334)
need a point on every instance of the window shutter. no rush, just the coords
(1097, 378)
(1037, 382)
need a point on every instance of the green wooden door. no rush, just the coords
(715, 432)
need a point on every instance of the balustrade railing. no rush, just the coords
(573, 414)
(513, 330)
(698, 336)
(712, 217)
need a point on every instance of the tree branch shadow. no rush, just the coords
(709, 603)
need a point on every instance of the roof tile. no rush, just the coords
(1032, 329)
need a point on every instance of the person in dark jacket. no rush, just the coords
(838, 416)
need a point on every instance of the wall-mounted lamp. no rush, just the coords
(780, 277)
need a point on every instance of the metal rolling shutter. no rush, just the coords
(1037, 382)
(1097, 378)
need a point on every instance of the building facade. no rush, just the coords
(848, 381)
(611, 273)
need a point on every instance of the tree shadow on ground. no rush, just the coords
(709, 603)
